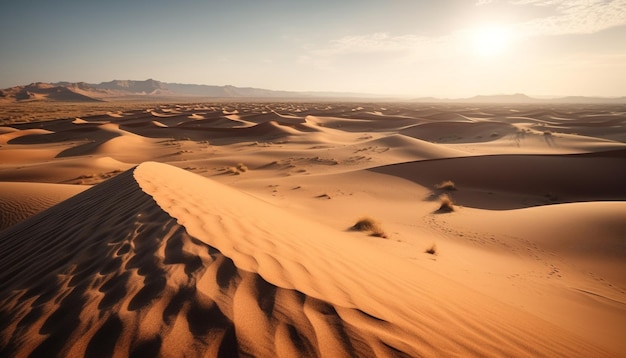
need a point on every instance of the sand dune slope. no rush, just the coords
(515, 181)
(161, 262)
(19, 201)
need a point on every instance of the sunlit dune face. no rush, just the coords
(490, 41)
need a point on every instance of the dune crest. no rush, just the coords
(160, 261)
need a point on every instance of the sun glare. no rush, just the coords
(489, 41)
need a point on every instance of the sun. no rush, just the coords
(490, 41)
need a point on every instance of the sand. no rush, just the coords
(224, 230)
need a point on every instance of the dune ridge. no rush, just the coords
(184, 265)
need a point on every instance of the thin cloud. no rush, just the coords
(382, 49)
(572, 16)
(370, 43)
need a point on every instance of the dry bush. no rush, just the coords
(242, 168)
(379, 233)
(369, 225)
(432, 250)
(236, 170)
(364, 224)
(447, 206)
(232, 170)
(446, 185)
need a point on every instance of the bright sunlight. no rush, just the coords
(490, 41)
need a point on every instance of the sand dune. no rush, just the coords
(223, 229)
(566, 261)
(10, 134)
(360, 124)
(413, 149)
(66, 171)
(533, 179)
(460, 131)
(223, 272)
(19, 201)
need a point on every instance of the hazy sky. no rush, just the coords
(446, 48)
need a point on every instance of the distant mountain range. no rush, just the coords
(151, 90)
(154, 90)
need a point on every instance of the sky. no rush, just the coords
(443, 48)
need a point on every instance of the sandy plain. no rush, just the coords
(225, 229)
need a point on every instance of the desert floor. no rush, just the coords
(225, 229)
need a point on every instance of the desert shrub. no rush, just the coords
(432, 250)
(446, 185)
(365, 224)
(447, 206)
(379, 233)
(369, 225)
(242, 168)
(232, 170)
(236, 170)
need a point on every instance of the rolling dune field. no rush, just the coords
(228, 229)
